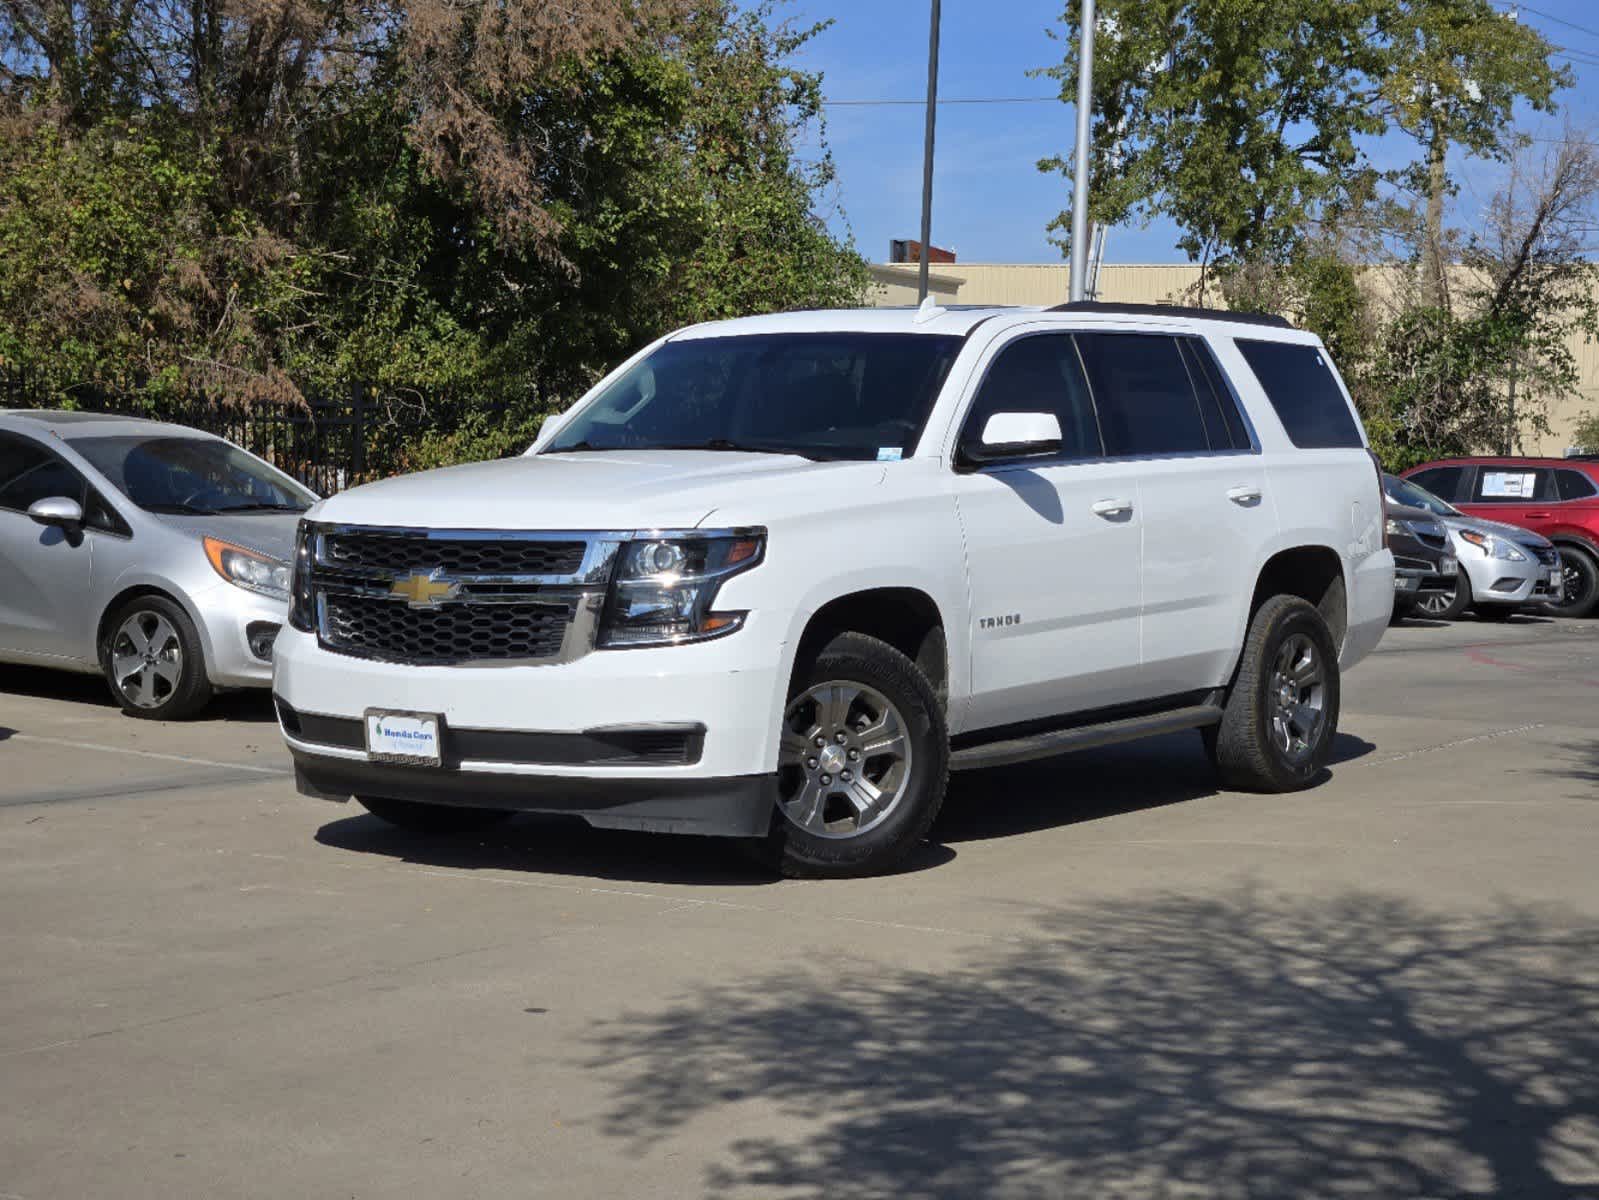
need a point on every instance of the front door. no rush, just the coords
(1052, 550)
(44, 571)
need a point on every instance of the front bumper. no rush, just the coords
(229, 618)
(1497, 581)
(570, 737)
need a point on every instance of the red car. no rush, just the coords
(1557, 497)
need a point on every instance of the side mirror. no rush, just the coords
(548, 428)
(58, 511)
(1016, 435)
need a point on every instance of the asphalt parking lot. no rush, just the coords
(1104, 978)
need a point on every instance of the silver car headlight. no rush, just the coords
(664, 586)
(248, 569)
(1493, 547)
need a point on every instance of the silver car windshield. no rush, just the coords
(1402, 491)
(191, 475)
(819, 395)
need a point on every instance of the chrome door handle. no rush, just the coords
(1112, 508)
(1244, 494)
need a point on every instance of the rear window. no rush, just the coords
(1573, 485)
(1302, 387)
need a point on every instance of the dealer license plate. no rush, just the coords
(404, 737)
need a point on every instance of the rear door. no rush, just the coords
(1052, 548)
(1512, 492)
(1164, 406)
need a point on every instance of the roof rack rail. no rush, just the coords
(1174, 310)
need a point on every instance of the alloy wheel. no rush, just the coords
(1296, 698)
(147, 659)
(1436, 604)
(844, 760)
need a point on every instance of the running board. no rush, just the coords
(1083, 737)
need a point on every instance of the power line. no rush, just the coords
(1557, 20)
(942, 101)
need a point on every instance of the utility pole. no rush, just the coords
(927, 154)
(1085, 119)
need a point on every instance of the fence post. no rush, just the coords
(358, 428)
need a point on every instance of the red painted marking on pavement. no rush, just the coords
(1478, 655)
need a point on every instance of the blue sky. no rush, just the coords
(990, 203)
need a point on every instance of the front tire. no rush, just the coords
(1447, 606)
(432, 818)
(1582, 584)
(1277, 728)
(153, 661)
(862, 764)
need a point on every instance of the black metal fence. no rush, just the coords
(328, 444)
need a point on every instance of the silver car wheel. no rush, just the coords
(1436, 604)
(147, 659)
(1296, 700)
(844, 761)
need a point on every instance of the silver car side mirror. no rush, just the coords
(58, 511)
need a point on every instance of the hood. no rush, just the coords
(271, 533)
(622, 490)
(1511, 533)
(1403, 512)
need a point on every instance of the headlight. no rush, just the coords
(248, 569)
(301, 609)
(664, 586)
(1395, 529)
(1492, 546)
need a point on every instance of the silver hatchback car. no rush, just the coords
(152, 553)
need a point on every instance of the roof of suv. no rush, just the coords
(1583, 463)
(961, 320)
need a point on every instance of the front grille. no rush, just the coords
(377, 627)
(1547, 555)
(404, 550)
(1402, 563)
(1428, 538)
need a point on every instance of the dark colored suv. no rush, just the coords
(1557, 497)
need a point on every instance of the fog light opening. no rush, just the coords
(260, 635)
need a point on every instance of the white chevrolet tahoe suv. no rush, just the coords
(775, 578)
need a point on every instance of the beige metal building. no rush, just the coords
(1140, 283)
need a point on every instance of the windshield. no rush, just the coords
(191, 475)
(1402, 491)
(820, 395)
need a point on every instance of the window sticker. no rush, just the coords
(889, 453)
(1510, 485)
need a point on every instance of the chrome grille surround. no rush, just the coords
(492, 616)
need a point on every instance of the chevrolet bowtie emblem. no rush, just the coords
(424, 590)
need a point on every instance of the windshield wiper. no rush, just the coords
(184, 510)
(738, 447)
(233, 508)
(575, 446)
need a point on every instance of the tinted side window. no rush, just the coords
(29, 472)
(1300, 383)
(1223, 421)
(1510, 485)
(1443, 482)
(1039, 373)
(1573, 485)
(1145, 397)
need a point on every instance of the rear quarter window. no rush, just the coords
(1303, 389)
(1573, 484)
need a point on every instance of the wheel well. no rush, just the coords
(1313, 573)
(102, 630)
(905, 618)
(1575, 543)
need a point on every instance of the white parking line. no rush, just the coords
(182, 758)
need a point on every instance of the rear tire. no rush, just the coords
(432, 818)
(1277, 728)
(863, 762)
(1582, 571)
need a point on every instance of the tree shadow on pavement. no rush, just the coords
(1244, 1046)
